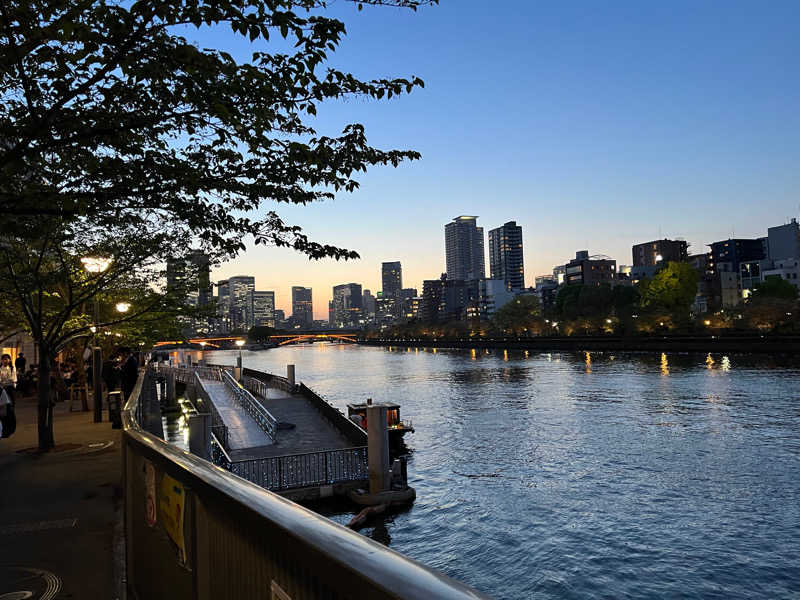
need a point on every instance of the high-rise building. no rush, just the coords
(264, 308)
(224, 305)
(386, 310)
(241, 289)
(447, 299)
(188, 281)
(368, 300)
(726, 255)
(189, 278)
(660, 252)
(493, 294)
(432, 296)
(784, 241)
(392, 279)
(404, 299)
(347, 306)
(464, 251)
(280, 319)
(591, 270)
(302, 306)
(505, 255)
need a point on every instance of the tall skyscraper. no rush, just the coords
(392, 279)
(264, 308)
(188, 278)
(505, 255)
(224, 305)
(346, 305)
(302, 306)
(241, 289)
(464, 249)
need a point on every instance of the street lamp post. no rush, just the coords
(239, 343)
(96, 265)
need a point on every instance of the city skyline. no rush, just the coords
(322, 297)
(633, 123)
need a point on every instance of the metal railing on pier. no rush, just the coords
(218, 427)
(193, 530)
(280, 473)
(260, 386)
(247, 402)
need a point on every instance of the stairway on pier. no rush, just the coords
(311, 432)
(245, 438)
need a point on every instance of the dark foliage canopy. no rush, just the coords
(108, 116)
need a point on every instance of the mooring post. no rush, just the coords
(377, 449)
(171, 399)
(290, 374)
(200, 435)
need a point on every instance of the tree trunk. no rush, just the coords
(46, 441)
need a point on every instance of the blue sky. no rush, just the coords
(593, 125)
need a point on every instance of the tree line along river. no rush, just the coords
(575, 475)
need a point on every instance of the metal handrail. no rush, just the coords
(247, 402)
(218, 427)
(292, 471)
(213, 373)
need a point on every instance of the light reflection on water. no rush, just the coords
(585, 475)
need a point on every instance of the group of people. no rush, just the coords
(121, 369)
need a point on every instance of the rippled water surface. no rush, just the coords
(585, 476)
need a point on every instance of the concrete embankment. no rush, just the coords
(729, 344)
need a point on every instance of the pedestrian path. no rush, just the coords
(61, 533)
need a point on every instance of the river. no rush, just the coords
(584, 476)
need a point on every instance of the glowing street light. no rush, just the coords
(240, 343)
(659, 258)
(96, 265)
(123, 307)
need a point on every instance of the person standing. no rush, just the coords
(20, 363)
(8, 377)
(110, 374)
(129, 372)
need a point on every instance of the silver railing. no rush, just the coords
(213, 373)
(218, 427)
(247, 402)
(279, 473)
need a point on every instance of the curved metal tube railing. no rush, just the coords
(248, 403)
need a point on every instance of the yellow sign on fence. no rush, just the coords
(172, 503)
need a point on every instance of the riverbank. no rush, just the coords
(722, 343)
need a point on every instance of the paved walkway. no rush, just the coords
(61, 512)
